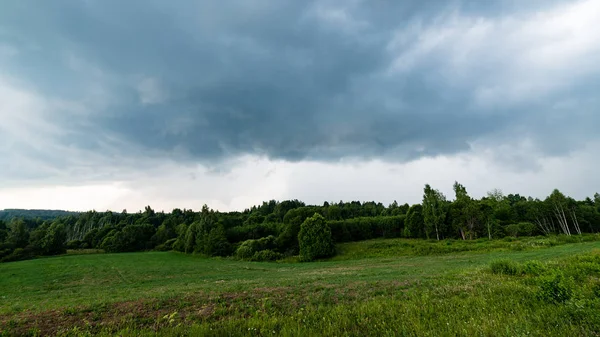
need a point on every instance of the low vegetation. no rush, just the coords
(550, 290)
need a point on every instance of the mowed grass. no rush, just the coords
(384, 289)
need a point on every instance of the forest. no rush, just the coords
(277, 229)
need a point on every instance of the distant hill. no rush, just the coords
(44, 214)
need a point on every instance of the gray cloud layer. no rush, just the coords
(296, 80)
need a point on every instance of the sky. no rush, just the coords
(108, 104)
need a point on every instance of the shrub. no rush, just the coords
(248, 248)
(245, 250)
(517, 247)
(315, 239)
(17, 255)
(556, 288)
(505, 267)
(266, 255)
(568, 239)
(534, 268)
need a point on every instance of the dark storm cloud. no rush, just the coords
(295, 80)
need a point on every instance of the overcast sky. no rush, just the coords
(109, 104)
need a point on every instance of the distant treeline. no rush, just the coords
(9, 214)
(271, 230)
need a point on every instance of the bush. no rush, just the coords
(556, 289)
(568, 239)
(534, 268)
(248, 248)
(315, 239)
(266, 255)
(505, 267)
(17, 255)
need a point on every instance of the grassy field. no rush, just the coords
(378, 287)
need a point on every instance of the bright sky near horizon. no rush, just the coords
(106, 104)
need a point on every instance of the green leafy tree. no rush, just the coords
(179, 244)
(558, 203)
(466, 212)
(315, 239)
(18, 235)
(208, 222)
(36, 239)
(55, 239)
(488, 207)
(216, 243)
(3, 231)
(414, 226)
(134, 238)
(190, 238)
(434, 210)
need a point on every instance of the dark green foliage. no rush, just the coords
(54, 241)
(37, 239)
(17, 255)
(245, 251)
(315, 239)
(249, 248)
(596, 289)
(3, 231)
(133, 238)
(166, 231)
(109, 241)
(241, 233)
(74, 244)
(556, 288)
(521, 229)
(166, 246)
(18, 235)
(414, 225)
(9, 214)
(505, 267)
(179, 244)
(190, 238)
(287, 241)
(216, 243)
(365, 228)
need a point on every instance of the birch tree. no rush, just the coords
(558, 203)
(434, 209)
(466, 212)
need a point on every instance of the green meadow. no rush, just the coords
(538, 286)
